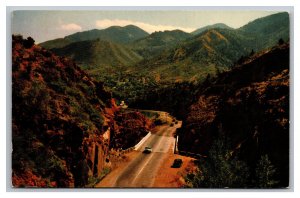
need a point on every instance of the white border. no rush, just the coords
(174, 193)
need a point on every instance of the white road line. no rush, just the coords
(145, 164)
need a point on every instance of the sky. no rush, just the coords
(46, 25)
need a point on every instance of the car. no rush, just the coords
(177, 163)
(147, 149)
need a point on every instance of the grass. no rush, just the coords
(95, 180)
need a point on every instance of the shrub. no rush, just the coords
(28, 43)
(220, 169)
(265, 172)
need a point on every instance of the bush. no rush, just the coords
(265, 172)
(28, 43)
(158, 122)
(220, 169)
(280, 41)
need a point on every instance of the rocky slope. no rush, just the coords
(250, 106)
(63, 121)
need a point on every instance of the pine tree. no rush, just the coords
(280, 41)
(220, 169)
(29, 42)
(265, 173)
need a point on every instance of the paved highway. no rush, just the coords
(141, 171)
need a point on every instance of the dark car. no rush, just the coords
(177, 163)
(147, 149)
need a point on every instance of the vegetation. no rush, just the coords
(222, 168)
(158, 42)
(218, 81)
(56, 108)
(148, 65)
(115, 34)
(28, 43)
(215, 26)
(171, 56)
(131, 127)
(267, 30)
(100, 57)
(92, 181)
(252, 110)
(265, 173)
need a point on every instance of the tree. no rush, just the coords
(220, 169)
(280, 41)
(218, 72)
(28, 43)
(265, 173)
(241, 60)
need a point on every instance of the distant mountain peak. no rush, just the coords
(217, 25)
(267, 24)
(132, 26)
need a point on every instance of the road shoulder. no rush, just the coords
(168, 177)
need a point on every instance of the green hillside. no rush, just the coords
(115, 34)
(196, 57)
(217, 49)
(174, 56)
(157, 42)
(214, 26)
(266, 31)
(99, 56)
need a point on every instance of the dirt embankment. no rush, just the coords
(168, 177)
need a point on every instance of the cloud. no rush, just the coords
(71, 27)
(145, 26)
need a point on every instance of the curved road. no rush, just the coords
(141, 171)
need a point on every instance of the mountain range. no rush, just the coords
(230, 87)
(171, 56)
(115, 34)
(217, 49)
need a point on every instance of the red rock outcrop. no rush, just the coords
(60, 119)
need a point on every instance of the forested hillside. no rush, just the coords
(158, 42)
(115, 34)
(242, 116)
(99, 56)
(63, 121)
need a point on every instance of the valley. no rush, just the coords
(86, 106)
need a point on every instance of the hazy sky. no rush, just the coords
(46, 25)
